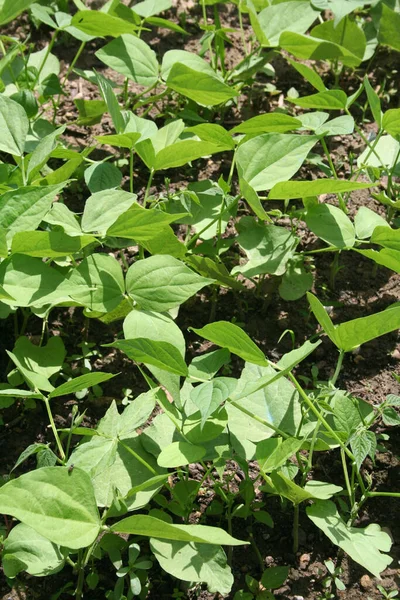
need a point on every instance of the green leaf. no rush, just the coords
(98, 283)
(268, 247)
(56, 503)
(26, 550)
(102, 176)
(80, 383)
(391, 122)
(111, 100)
(252, 199)
(296, 281)
(329, 100)
(267, 123)
(200, 563)
(60, 215)
(323, 318)
(209, 268)
(132, 57)
(352, 334)
(365, 222)
(386, 153)
(38, 363)
(31, 282)
(201, 87)
(374, 102)
(90, 111)
(309, 74)
(205, 366)
(285, 16)
(346, 415)
(274, 577)
(347, 36)
(52, 244)
(101, 24)
(389, 28)
(364, 545)
(209, 396)
(148, 8)
(14, 126)
(385, 257)
(345, 42)
(159, 354)
(331, 225)
(155, 528)
(162, 282)
(211, 132)
(115, 459)
(363, 444)
(103, 208)
(274, 452)
(31, 450)
(343, 125)
(288, 190)
(288, 489)
(272, 157)
(179, 454)
(10, 9)
(120, 140)
(322, 490)
(230, 336)
(159, 328)
(50, 68)
(23, 209)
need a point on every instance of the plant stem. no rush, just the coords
(46, 56)
(242, 30)
(54, 429)
(333, 380)
(362, 136)
(131, 156)
(259, 419)
(346, 477)
(332, 166)
(72, 65)
(147, 192)
(319, 416)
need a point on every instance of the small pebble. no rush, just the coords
(269, 560)
(304, 561)
(298, 597)
(396, 354)
(366, 582)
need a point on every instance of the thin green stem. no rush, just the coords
(383, 494)
(72, 65)
(147, 192)
(232, 169)
(339, 363)
(54, 429)
(362, 136)
(319, 416)
(332, 166)
(259, 419)
(46, 56)
(242, 30)
(346, 477)
(138, 458)
(131, 158)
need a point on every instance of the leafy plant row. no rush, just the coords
(123, 259)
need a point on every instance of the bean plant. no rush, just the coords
(124, 491)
